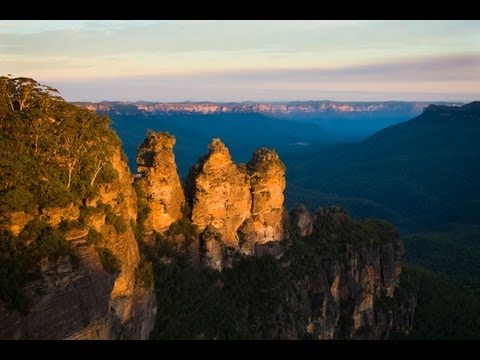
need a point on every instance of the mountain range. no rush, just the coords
(275, 108)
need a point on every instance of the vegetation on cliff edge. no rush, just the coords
(52, 154)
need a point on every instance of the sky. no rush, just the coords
(168, 60)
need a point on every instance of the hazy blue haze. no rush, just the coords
(244, 133)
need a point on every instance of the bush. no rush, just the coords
(117, 221)
(53, 194)
(110, 262)
(17, 199)
(143, 209)
(107, 175)
(94, 238)
(144, 275)
(184, 227)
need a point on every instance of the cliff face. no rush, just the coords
(81, 300)
(356, 296)
(338, 283)
(160, 181)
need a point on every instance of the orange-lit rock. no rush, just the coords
(160, 181)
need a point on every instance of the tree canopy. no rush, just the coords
(51, 152)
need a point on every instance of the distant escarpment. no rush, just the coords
(277, 108)
(70, 266)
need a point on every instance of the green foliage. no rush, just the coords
(185, 227)
(234, 304)
(107, 174)
(13, 273)
(115, 220)
(17, 199)
(20, 256)
(67, 225)
(94, 238)
(51, 152)
(53, 194)
(420, 174)
(443, 251)
(444, 311)
(110, 262)
(143, 210)
(144, 274)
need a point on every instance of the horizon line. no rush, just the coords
(267, 102)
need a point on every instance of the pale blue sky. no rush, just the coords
(247, 60)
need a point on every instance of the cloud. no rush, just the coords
(431, 78)
(464, 67)
(237, 59)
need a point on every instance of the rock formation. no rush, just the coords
(242, 204)
(160, 181)
(219, 192)
(212, 248)
(358, 283)
(302, 219)
(267, 181)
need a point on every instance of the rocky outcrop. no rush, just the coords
(302, 219)
(55, 216)
(267, 182)
(67, 301)
(80, 299)
(355, 297)
(160, 181)
(349, 289)
(243, 204)
(212, 248)
(335, 284)
(219, 193)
